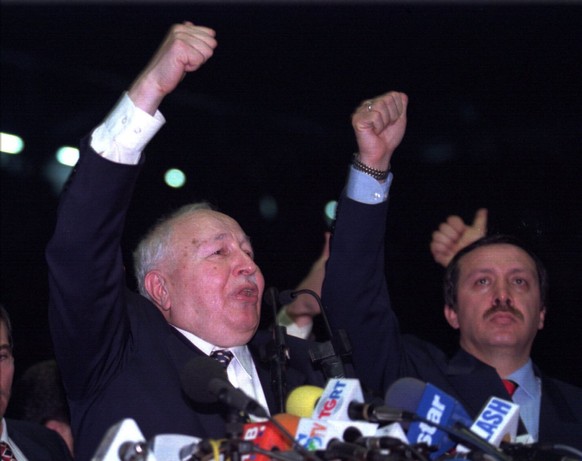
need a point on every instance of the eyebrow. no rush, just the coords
(486, 270)
(222, 236)
(5, 346)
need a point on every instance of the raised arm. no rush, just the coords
(354, 290)
(88, 299)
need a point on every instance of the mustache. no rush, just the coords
(502, 307)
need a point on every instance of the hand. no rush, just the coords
(379, 125)
(185, 49)
(454, 234)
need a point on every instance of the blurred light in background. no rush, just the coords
(175, 178)
(67, 155)
(11, 144)
(268, 207)
(329, 210)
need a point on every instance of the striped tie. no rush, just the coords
(6, 452)
(222, 356)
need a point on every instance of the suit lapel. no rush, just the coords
(475, 383)
(180, 351)
(555, 413)
(31, 448)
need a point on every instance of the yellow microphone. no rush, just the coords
(302, 400)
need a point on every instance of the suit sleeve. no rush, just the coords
(87, 307)
(37, 442)
(355, 292)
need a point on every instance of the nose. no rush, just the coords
(502, 293)
(246, 265)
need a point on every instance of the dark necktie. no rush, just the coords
(510, 386)
(6, 452)
(222, 356)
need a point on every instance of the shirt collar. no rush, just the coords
(241, 353)
(526, 379)
(4, 435)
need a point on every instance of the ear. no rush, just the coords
(451, 316)
(155, 285)
(542, 318)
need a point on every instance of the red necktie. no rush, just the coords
(510, 386)
(6, 452)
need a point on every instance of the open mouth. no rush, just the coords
(248, 293)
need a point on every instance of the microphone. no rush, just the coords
(266, 436)
(170, 447)
(541, 452)
(204, 381)
(438, 416)
(335, 400)
(324, 353)
(353, 435)
(394, 430)
(357, 448)
(377, 413)
(278, 352)
(260, 441)
(336, 449)
(329, 418)
(497, 422)
(316, 434)
(123, 441)
(302, 400)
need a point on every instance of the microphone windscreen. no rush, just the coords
(196, 377)
(405, 394)
(302, 400)
(289, 422)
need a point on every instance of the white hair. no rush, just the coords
(154, 247)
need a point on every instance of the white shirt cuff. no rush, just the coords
(292, 328)
(125, 132)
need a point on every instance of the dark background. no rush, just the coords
(495, 120)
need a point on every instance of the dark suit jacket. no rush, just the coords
(118, 356)
(356, 294)
(37, 442)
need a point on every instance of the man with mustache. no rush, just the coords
(121, 353)
(495, 296)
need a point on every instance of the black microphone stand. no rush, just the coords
(278, 353)
(324, 353)
(234, 431)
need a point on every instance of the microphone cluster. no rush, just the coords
(416, 421)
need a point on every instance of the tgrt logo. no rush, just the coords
(333, 401)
